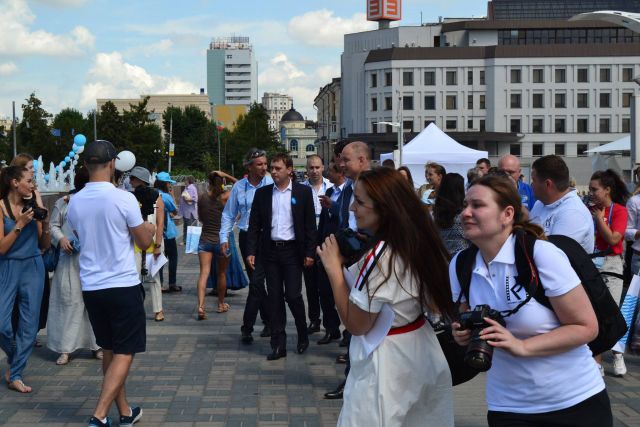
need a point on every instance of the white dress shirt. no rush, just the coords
(317, 193)
(281, 215)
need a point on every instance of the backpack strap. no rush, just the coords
(528, 277)
(464, 267)
(7, 205)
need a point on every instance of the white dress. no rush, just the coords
(406, 380)
(68, 327)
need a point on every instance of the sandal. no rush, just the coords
(98, 354)
(63, 359)
(19, 386)
(202, 315)
(223, 308)
(171, 289)
(159, 316)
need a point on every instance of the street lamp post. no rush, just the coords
(400, 137)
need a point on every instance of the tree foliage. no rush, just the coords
(34, 132)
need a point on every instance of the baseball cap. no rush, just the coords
(99, 151)
(141, 173)
(164, 177)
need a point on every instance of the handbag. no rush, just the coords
(460, 371)
(186, 196)
(50, 258)
(193, 239)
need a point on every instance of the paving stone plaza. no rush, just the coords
(197, 373)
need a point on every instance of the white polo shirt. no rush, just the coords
(530, 384)
(567, 216)
(101, 215)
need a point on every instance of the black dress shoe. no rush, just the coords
(337, 393)
(277, 353)
(302, 346)
(344, 342)
(246, 337)
(266, 332)
(328, 337)
(314, 326)
(342, 358)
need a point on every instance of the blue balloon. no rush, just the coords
(46, 177)
(75, 147)
(66, 159)
(79, 140)
(72, 153)
(35, 164)
(61, 165)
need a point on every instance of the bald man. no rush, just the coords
(511, 165)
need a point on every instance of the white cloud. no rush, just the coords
(112, 77)
(62, 3)
(17, 38)
(322, 28)
(8, 68)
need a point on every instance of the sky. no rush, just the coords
(71, 52)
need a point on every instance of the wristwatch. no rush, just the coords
(17, 229)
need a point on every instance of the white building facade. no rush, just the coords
(276, 105)
(232, 72)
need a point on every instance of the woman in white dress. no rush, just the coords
(402, 377)
(68, 327)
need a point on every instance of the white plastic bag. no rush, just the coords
(193, 239)
(629, 310)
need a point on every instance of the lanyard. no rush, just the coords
(369, 262)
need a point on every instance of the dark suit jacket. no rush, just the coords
(340, 209)
(330, 217)
(304, 220)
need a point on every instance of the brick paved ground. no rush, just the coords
(199, 374)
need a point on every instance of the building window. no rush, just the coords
(605, 75)
(561, 100)
(470, 124)
(514, 149)
(583, 100)
(374, 80)
(374, 127)
(388, 103)
(516, 76)
(429, 78)
(451, 102)
(538, 75)
(407, 102)
(582, 150)
(452, 78)
(515, 125)
(293, 145)
(407, 78)
(605, 100)
(537, 150)
(582, 75)
(538, 100)
(627, 74)
(559, 150)
(482, 77)
(626, 99)
(605, 125)
(482, 102)
(469, 102)
(428, 122)
(626, 125)
(451, 124)
(430, 102)
(374, 104)
(560, 75)
(560, 125)
(470, 77)
(388, 80)
(582, 125)
(310, 148)
(516, 100)
(483, 125)
(407, 125)
(537, 126)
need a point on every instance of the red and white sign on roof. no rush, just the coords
(389, 10)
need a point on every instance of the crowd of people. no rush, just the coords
(380, 261)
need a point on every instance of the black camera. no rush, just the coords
(479, 352)
(352, 245)
(147, 198)
(38, 212)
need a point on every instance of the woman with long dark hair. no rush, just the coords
(22, 278)
(446, 212)
(406, 173)
(608, 197)
(164, 183)
(542, 372)
(405, 380)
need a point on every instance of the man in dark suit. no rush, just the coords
(283, 216)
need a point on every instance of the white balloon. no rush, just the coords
(76, 157)
(80, 149)
(126, 161)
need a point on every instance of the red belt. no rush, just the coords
(416, 324)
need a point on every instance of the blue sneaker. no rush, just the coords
(136, 414)
(94, 422)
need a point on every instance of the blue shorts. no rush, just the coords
(210, 247)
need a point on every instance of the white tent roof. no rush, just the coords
(622, 144)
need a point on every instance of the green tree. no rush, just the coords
(6, 144)
(69, 122)
(34, 133)
(110, 124)
(191, 136)
(142, 136)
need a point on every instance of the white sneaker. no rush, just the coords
(619, 368)
(601, 369)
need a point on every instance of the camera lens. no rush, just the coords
(479, 353)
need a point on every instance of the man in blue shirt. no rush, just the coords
(239, 207)
(511, 165)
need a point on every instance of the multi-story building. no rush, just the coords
(276, 105)
(528, 87)
(298, 137)
(327, 104)
(232, 72)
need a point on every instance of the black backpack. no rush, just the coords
(611, 323)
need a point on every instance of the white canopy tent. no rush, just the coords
(433, 145)
(619, 146)
(607, 156)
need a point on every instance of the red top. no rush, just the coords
(618, 223)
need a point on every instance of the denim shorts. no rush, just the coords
(210, 247)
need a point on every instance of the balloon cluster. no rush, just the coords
(72, 158)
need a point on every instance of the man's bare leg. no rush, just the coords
(116, 369)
